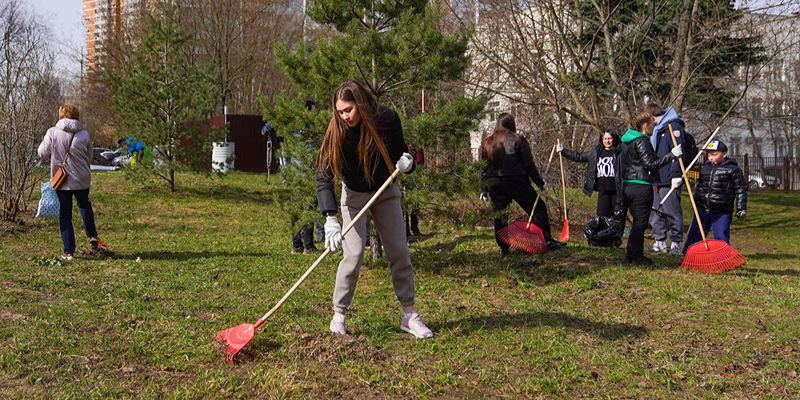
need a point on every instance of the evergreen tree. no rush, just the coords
(396, 49)
(163, 98)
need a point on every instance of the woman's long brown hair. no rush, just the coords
(330, 156)
(494, 147)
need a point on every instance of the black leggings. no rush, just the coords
(605, 203)
(638, 199)
(502, 192)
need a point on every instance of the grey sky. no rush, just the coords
(64, 19)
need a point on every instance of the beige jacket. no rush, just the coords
(54, 146)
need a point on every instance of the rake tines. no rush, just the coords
(525, 236)
(232, 340)
(712, 257)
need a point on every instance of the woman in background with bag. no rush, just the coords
(69, 148)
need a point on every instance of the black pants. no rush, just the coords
(304, 238)
(502, 192)
(605, 203)
(638, 199)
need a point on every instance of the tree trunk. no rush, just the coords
(680, 57)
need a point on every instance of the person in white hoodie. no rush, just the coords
(68, 140)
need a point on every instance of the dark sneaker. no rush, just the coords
(311, 250)
(297, 250)
(98, 245)
(554, 245)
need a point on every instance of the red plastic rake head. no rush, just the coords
(524, 236)
(233, 340)
(564, 237)
(716, 258)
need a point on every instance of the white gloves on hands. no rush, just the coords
(741, 214)
(484, 196)
(676, 183)
(405, 163)
(333, 233)
(676, 151)
(559, 148)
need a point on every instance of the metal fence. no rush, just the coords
(761, 173)
(775, 173)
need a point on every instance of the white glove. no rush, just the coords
(559, 148)
(484, 196)
(333, 233)
(741, 214)
(405, 163)
(676, 183)
(676, 151)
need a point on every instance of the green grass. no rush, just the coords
(572, 324)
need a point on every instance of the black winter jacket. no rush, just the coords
(517, 164)
(638, 160)
(590, 157)
(720, 185)
(387, 123)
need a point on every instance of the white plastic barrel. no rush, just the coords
(222, 156)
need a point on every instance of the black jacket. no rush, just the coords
(591, 157)
(517, 164)
(720, 185)
(638, 160)
(387, 123)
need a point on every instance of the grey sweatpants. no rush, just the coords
(671, 223)
(387, 216)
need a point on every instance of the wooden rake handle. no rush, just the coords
(538, 195)
(563, 184)
(688, 187)
(328, 251)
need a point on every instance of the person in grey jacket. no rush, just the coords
(69, 138)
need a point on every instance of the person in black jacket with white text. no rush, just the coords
(508, 175)
(721, 184)
(363, 144)
(602, 171)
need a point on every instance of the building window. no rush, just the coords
(755, 109)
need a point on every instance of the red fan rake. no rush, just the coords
(525, 235)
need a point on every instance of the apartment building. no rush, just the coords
(103, 19)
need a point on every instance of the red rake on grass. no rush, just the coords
(708, 256)
(525, 235)
(564, 228)
(232, 340)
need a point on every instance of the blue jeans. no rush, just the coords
(65, 217)
(719, 222)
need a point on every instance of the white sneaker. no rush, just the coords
(66, 257)
(659, 247)
(675, 249)
(337, 324)
(413, 324)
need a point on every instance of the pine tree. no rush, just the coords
(396, 49)
(163, 98)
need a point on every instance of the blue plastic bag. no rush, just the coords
(48, 204)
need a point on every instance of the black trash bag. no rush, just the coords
(604, 232)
